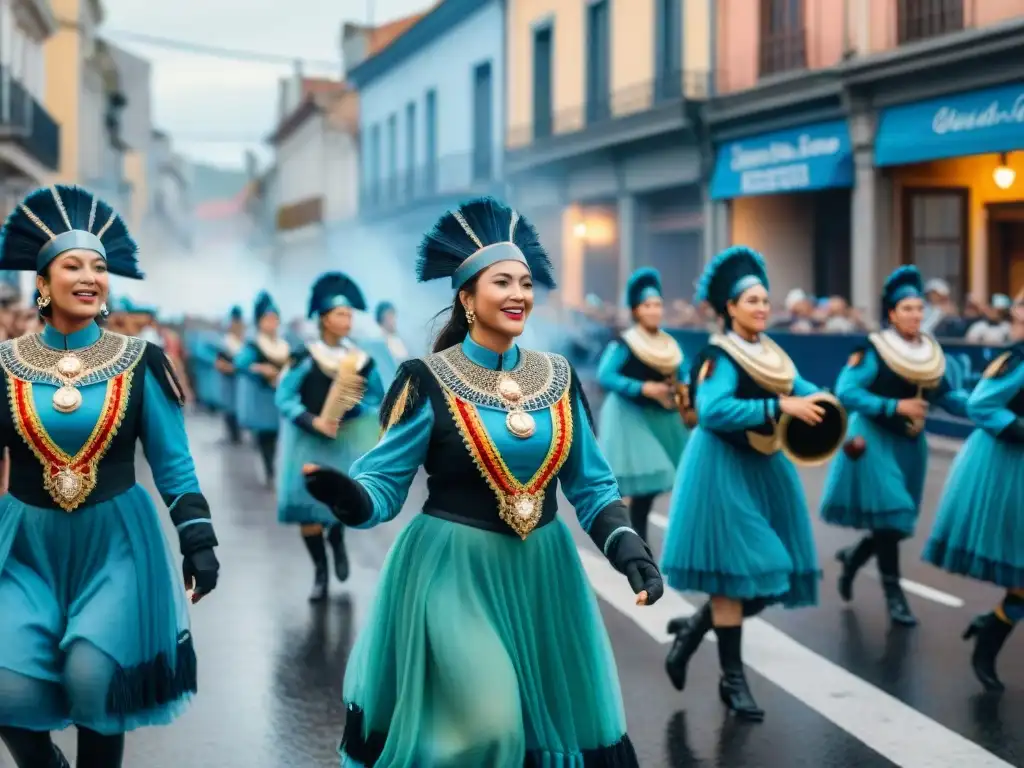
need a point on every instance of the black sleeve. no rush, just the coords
(160, 365)
(191, 517)
(404, 395)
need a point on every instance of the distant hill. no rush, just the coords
(212, 183)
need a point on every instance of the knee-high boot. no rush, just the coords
(689, 632)
(990, 632)
(733, 689)
(336, 538)
(32, 749)
(887, 551)
(318, 554)
(853, 559)
(267, 444)
(98, 751)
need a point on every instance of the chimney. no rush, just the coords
(282, 97)
(354, 43)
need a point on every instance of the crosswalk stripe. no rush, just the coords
(882, 722)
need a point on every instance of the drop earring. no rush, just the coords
(470, 317)
(43, 302)
(103, 309)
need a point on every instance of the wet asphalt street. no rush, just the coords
(839, 687)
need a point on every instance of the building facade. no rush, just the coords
(136, 131)
(844, 149)
(603, 137)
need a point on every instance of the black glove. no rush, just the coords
(347, 499)
(1014, 432)
(200, 570)
(629, 555)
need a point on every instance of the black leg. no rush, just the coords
(853, 559)
(689, 633)
(733, 689)
(318, 554)
(98, 751)
(887, 551)
(336, 538)
(267, 443)
(32, 749)
(639, 510)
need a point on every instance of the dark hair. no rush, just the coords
(456, 328)
(47, 312)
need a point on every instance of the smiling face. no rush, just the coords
(77, 283)
(906, 317)
(502, 298)
(750, 311)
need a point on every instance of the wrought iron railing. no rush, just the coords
(25, 121)
(922, 19)
(782, 51)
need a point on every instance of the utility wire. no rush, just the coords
(216, 51)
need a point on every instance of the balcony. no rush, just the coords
(923, 19)
(453, 176)
(300, 214)
(781, 51)
(629, 115)
(27, 125)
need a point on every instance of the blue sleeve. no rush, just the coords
(852, 388)
(165, 443)
(951, 400)
(287, 398)
(375, 391)
(608, 376)
(386, 472)
(245, 358)
(587, 481)
(986, 405)
(718, 408)
(802, 387)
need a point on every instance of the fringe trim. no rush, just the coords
(366, 750)
(965, 563)
(154, 683)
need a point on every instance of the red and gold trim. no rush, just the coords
(520, 505)
(69, 479)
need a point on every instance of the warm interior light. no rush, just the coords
(580, 230)
(1004, 175)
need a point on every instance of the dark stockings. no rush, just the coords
(639, 510)
(884, 545)
(313, 538)
(234, 433)
(32, 749)
(98, 751)
(266, 442)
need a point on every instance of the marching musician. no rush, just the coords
(640, 431)
(876, 484)
(739, 529)
(259, 366)
(979, 526)
(328, 398)
(231, 344)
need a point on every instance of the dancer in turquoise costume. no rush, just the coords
(258, 367)
(485, 648)
(979, 527)
(95, 627)
(739, 529)
(328, 398)
(876, 483)
(640, 430)
(230, 346)
(387, 321)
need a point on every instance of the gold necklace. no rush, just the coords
(68, 398)
(517, 421)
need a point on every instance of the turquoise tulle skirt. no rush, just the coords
(880, 490)
(480, 651)
(739, 526)
(296, 447)
(95, 626)
(979, 526)
(642, 445)
(254, 399)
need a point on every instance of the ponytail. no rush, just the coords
(456, 328)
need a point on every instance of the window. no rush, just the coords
(921, 19)
(783, 36)
(410, 149)
(430, 141)
(543, 91)
(668, 62)
(483, 120)
(935, 235)
(372, 186)
(598, 55)
(392, 180)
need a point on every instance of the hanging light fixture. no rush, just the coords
(1004, 175)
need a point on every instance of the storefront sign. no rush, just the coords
(803, 159)
(973, 123)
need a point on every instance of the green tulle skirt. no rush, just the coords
(642, 445)
(484, 651)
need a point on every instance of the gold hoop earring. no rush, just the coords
(470, 317)
(43, 302)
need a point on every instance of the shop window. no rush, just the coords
(783, 42)
(935, 232)
(921, 19)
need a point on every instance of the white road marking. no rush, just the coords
(921, 590)
(884, 723)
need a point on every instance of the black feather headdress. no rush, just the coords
(728, 275)
(333, 289)
(477, 234)
(642, 285)
(60, 218)
(236, 315)
(264, 305)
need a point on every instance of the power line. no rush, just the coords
(207, 139)
(218, 52)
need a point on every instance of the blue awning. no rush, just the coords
(798, 160)
(972, 123)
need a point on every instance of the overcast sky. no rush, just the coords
(214, 108)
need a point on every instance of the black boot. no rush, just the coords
(689, 632)
(733, 689)
(267, 444)
(234, 433)
(639, 510)
(32, 749)
(989, 633)
(98, 751)
(318, 553)
(336, 538)
(887, 550)
(853, 559)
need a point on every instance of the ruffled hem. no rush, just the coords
(964, 563)
(902, 520)
(791, 590)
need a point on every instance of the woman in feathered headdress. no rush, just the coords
(230, 344)
(641, 431)
(472, 656)
(328, 398)
(876, 484)
(979, 525)
(95, 620)
(259, 365)
(739, 529)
